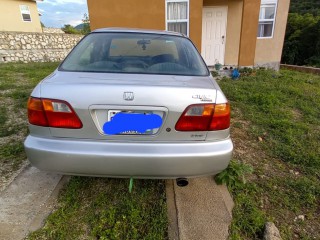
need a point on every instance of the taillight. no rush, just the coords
(52, 113)
(36, 113)
(205, 117)
(221, 117)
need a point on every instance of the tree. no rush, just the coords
(86, 24)
(302, 40)
(70, 30)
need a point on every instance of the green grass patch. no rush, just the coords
(12, 153)
(101, 208)
(286, 106)
(3, 115)
(283, 110)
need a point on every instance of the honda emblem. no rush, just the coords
(128, 96)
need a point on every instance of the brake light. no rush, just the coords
(204, 117)
(52, 113)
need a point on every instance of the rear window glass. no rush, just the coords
(135, 53)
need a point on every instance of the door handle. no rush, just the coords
(223, 37)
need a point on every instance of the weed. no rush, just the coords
(234, 175)
(214, 74)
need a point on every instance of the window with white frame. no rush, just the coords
(25, 12)
(177, 16)
(267, 18)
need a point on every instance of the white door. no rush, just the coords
(214, 25)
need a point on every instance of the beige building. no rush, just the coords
(231, 32)
(19, 16)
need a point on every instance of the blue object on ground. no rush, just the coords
(235, 74)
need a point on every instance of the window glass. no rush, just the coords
(25, 12)
(265, 29)
(267, 12)
(267, 20)
(177, 16)
(181, 27)
(177, 10)
(135, 53)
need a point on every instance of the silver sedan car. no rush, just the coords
(130, 103)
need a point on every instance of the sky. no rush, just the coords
(57, 13)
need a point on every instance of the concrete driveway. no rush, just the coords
(201, 210)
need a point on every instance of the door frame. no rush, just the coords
(225, 41)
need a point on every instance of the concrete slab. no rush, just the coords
(23, 202)
(204, 210)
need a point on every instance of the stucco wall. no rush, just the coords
(150, 14)
(11, 19)
(269, 51)
(35, 47)
(147, 14)
(250, 21)
(233, 27)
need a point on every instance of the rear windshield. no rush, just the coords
(135, 53)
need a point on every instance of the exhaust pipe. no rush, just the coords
(182, 182)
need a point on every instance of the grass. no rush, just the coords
(16, 83)
(275, 127)
(88, 208)
(97, 208)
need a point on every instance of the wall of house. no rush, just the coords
(249, 29)
(11, 18)
(35, 47)
(147, 14)
(233, 27)
(269, 51)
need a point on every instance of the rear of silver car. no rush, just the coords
(70, 109)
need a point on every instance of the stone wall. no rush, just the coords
(35, 47)
(301, 68)
(52, 30)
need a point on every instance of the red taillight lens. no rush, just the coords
(221, 117)
(57, 113)
(205, 117)
(36, 114)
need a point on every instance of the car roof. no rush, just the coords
(138, 30)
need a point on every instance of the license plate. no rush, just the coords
(112, 113)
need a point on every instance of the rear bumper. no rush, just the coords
(140, 160)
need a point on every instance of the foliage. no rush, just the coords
(214, 74)
(70, 29)
(86, 24)
(234, 175)
(302, 40)
(83, 28)
(305, 6)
